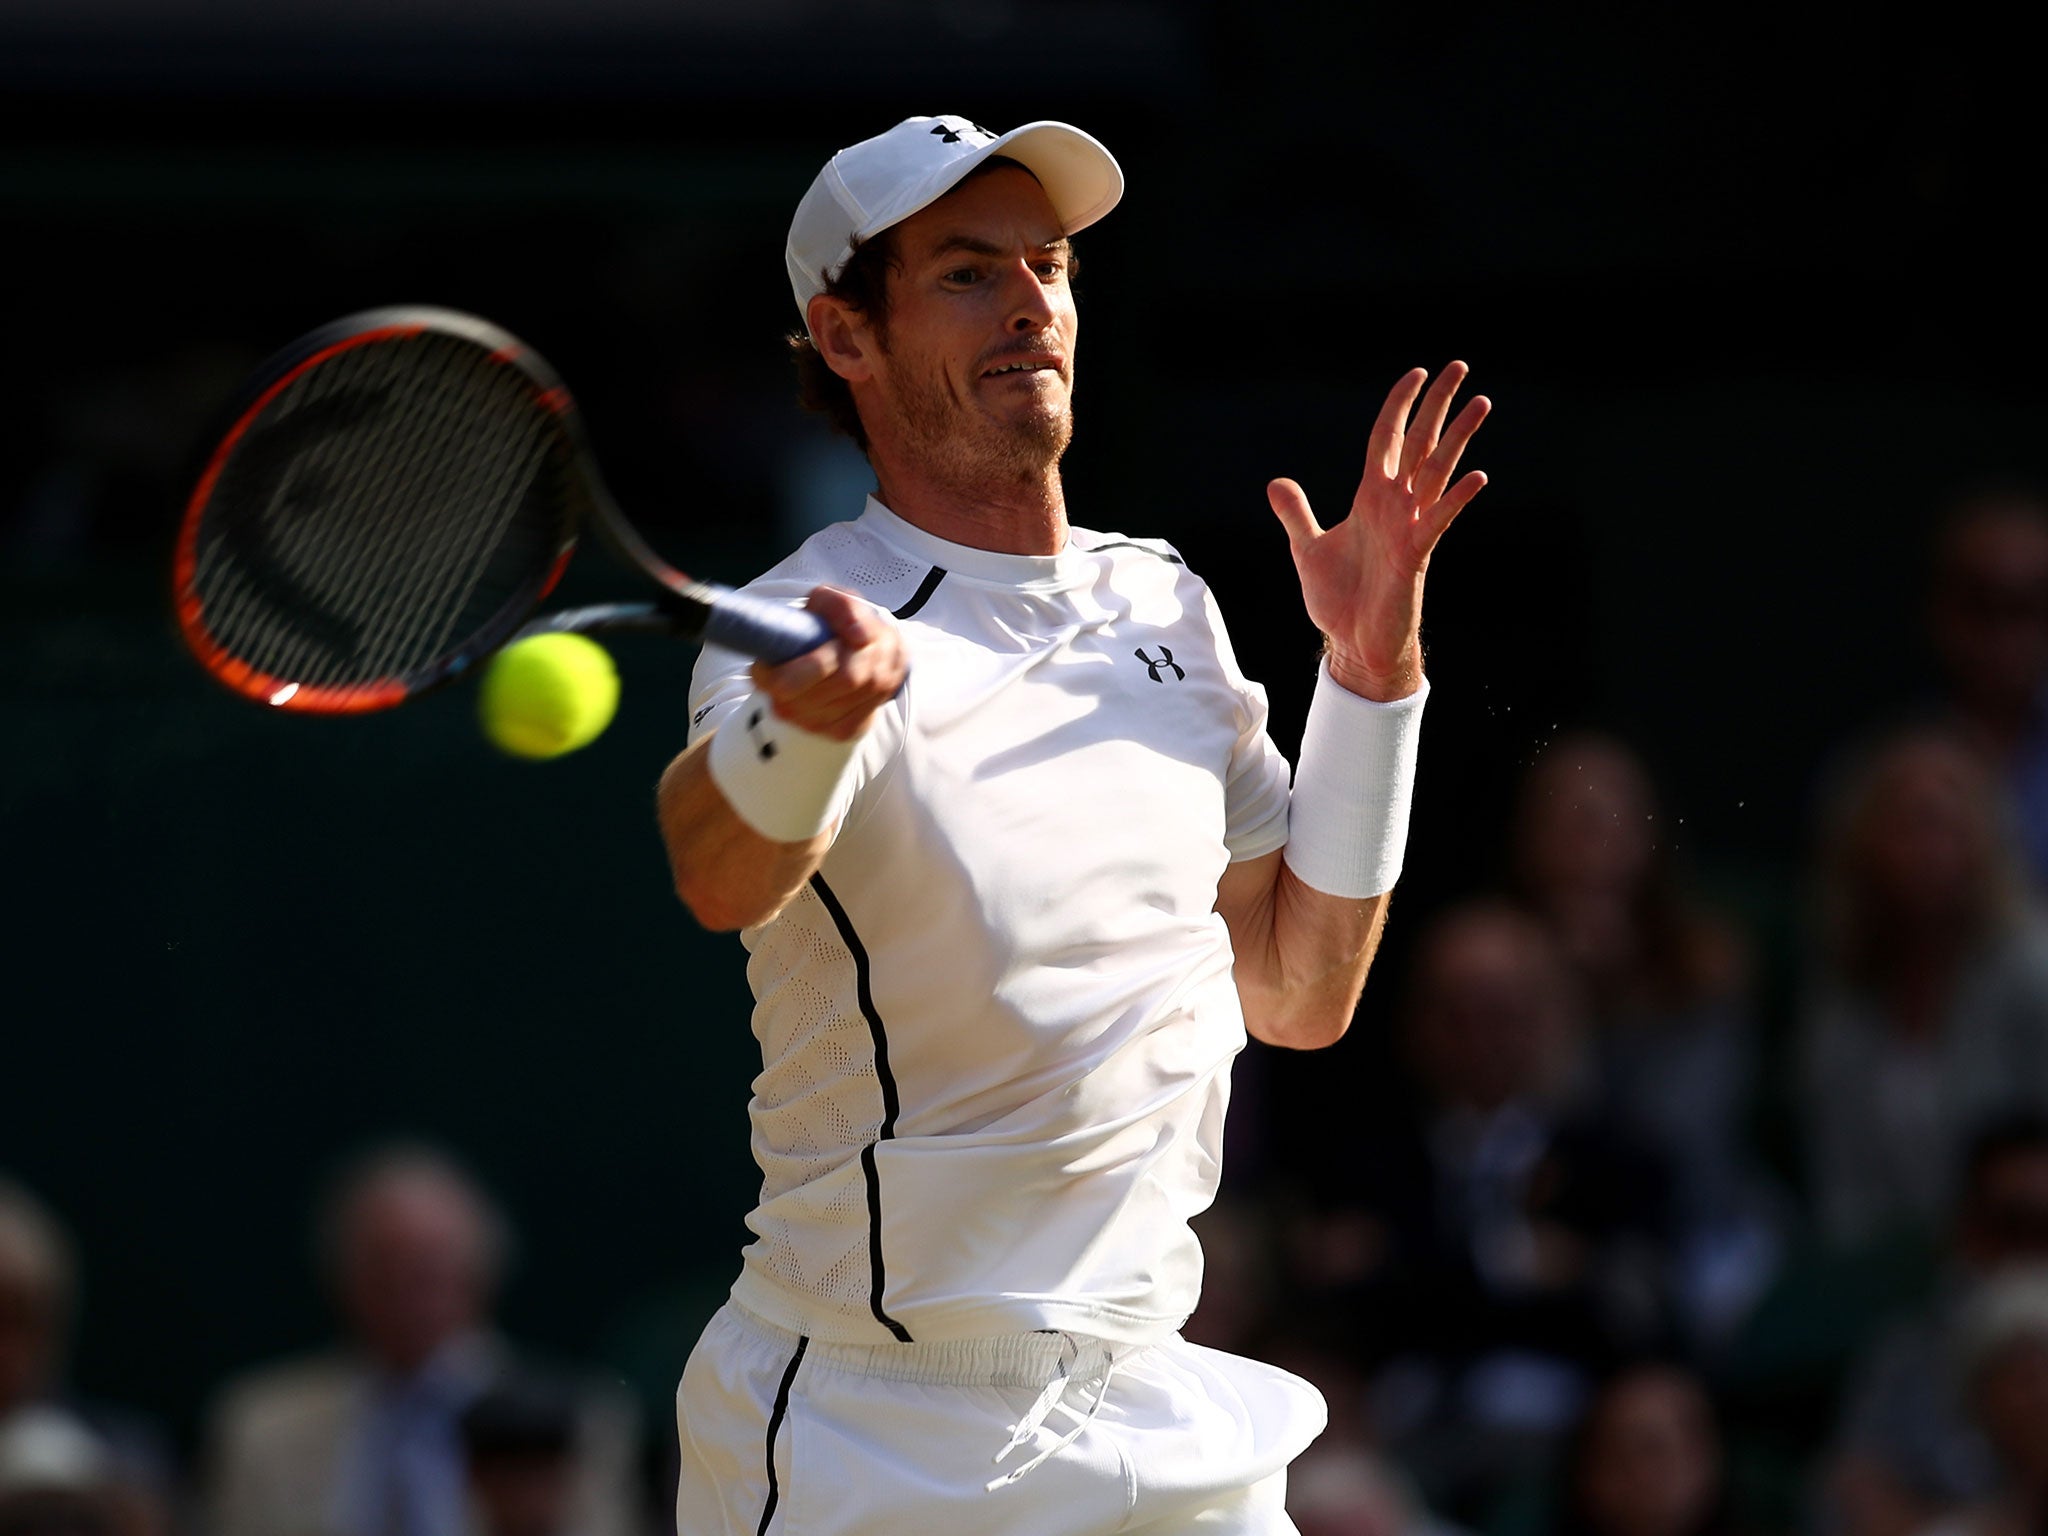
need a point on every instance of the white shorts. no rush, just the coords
(785, 1436)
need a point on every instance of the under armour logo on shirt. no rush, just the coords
(1165, 660)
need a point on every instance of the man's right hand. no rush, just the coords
(728, 874)
(835, 689)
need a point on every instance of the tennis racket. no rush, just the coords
(398, 492)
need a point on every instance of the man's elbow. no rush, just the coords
(713, 903)
(1299, 1029)
(715, 919)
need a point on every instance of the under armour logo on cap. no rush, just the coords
(882, 181)
(952, 135)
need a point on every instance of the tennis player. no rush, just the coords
(1017, 867)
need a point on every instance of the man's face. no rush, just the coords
(2005, 1220)
(413, 1273)
(1991, 606)
(28, 1334)
(974, 379)
(1922, 852)
(1652, 1462)
(1493, 1022)
(2012, 1408)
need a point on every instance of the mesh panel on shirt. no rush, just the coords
(814, 1108)
(864, 562)
(844, 556)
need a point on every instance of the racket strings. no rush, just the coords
(453, 554)
(293, 644)
(446, 580)
(384, 507)
(367, 585)
(427, 556)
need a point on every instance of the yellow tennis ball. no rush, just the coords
(548, 694)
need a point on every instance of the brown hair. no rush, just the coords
(862, 284)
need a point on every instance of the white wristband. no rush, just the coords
(787, 783)
(1347, 821)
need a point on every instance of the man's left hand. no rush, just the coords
(1362, 579)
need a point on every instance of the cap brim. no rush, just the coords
(1081, 178)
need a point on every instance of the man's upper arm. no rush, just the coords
(1244, 900)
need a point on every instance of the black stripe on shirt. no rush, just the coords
(922, 595)
(864, 991)
(775, 1419)
(1169, 558)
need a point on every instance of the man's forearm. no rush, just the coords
(727, 874)
(1302, 955)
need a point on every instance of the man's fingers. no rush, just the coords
(835, 667)
(841, 719)
(848, 617)
(1439, 516)
(1290, 505)
(1383, 448)
(1437, 469)
(1423, 431)
(833, 688)
(830, 685)
(791, 679)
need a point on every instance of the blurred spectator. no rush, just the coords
(367, 1441)
(1500, 1246)
(1988, 614)
(1928, 1013)
(1355, 1493)
(1647, 1460)
(519, 1442)
(57, 1479)
(1239, 1281)
(113, 1460)
(1907, 1450)
(1342, 1485)
(2002, 1364)
(1666, 987)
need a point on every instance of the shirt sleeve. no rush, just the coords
(722, 681)
(1255, 789)
(717, 687)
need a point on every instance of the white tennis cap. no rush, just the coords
(884, 180)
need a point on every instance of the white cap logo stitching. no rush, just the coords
(875, 184)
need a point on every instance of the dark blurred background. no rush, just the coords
(1751, 303)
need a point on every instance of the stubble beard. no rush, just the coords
(969, 451)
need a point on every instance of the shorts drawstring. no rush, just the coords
(1072, 1359)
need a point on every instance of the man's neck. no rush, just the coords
(1026, 518)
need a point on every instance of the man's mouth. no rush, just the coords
(1023, 365)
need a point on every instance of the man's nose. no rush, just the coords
(1031, 306)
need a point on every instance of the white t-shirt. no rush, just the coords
(996, 1028)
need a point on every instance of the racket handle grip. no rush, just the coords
(767, 631)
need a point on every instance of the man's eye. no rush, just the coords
(962, 275)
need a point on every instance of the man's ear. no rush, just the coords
(842, 336)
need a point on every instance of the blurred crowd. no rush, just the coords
(1661, 1216)
(1682, 1219)
(421, 1420)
